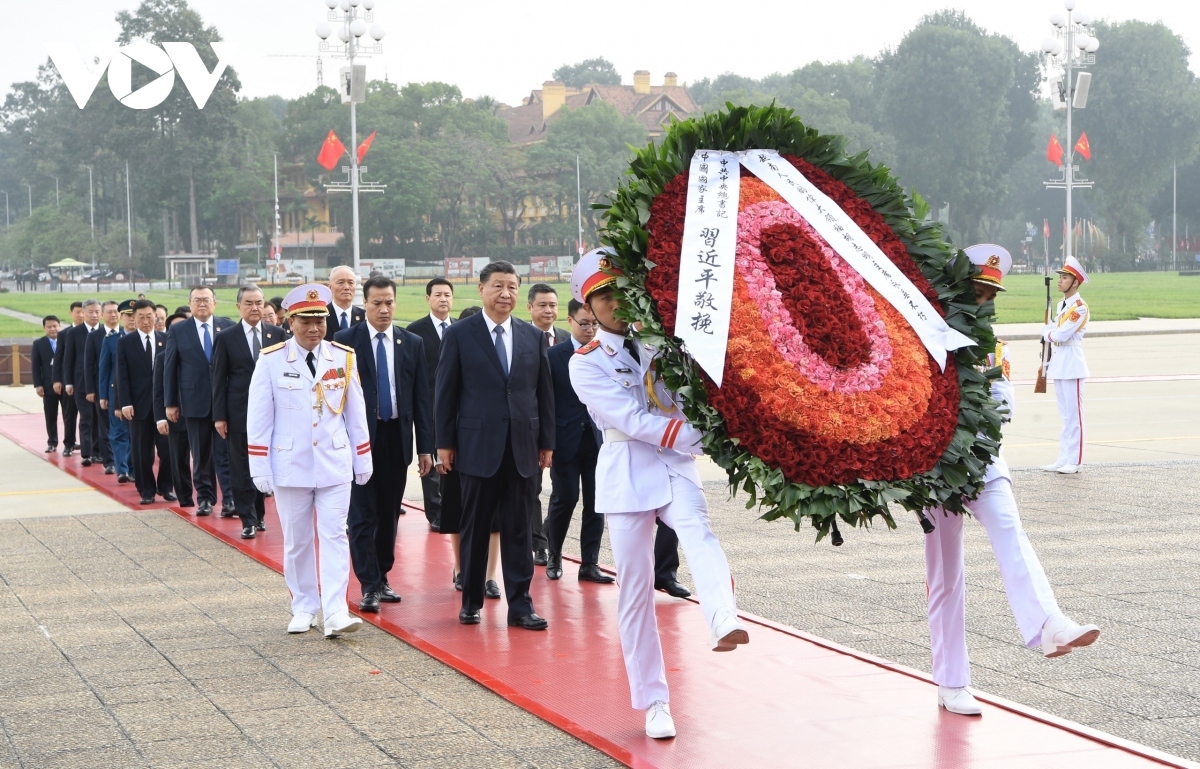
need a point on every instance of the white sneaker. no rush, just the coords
(957, 699)
(1069, 469)
(1051, 468)
(1061, 635)
(659, 724)
(340, 624)
(728, 632)
(301, 622)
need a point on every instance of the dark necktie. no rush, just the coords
(345, 323)
(207, 343)
(149, 352)
(442, 333)
(549, 339)
(257, 346)
(383, 378)
(312, 366)
(501, 350)
(631, 346)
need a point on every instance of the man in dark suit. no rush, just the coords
(439, 295)
(42, 362)
(576, 448)
(235, 352)
(176, 455)
(106, 392)
(110, 320)
(69, 412)
(543, 311)
(187, 387)
(343, 284)
(136, 353)
(74, 382)
(391, 366)
(494, 415)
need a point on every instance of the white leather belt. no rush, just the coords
(1071, 343)
(613, 435)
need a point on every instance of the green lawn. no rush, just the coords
(1110, 296)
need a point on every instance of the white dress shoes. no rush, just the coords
(728, 632)
(340, 624)
(1061, 635)
(957, 699)
(1069, 469)
(302, 622)
(1051, 468)
(659, 724)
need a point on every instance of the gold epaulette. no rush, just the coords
(272, 348)
(345, 347)
(592, 345)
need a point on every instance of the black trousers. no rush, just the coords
(505, 497)
(375, 509)
(88, 437)
(103, 421)
(536, 526)
(666, 553)
(431, 492)
(565, 479)
(200, 434)
(70, 414)
(181, 465)
(222, 471)
(142, 434)
(249, 500)
(50, 409)
(166, 472)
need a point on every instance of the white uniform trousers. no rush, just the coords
(1069, 393)
(1029, 594)
(632, 539)
(300, 564)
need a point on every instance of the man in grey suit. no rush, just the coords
(543, 311)
(494, 424)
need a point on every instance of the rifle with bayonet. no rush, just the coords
(1040, 385)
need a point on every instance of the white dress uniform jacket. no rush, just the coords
(1066, 336)
(302, 430)
(635, 461)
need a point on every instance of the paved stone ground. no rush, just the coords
(134, 640)
(1121, 546)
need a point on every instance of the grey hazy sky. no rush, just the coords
(485, 47)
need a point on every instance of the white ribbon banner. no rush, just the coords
(707, 260)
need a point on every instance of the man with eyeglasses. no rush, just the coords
(576, 447)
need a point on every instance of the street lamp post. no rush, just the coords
(1071, 47)
(6, 222)
(30, 190)
(351, 24)
(55, 178)
(92, 214)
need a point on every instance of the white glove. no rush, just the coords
(263, 484)
(362, 478)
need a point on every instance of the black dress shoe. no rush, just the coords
(248, 532)
(110, 470)
(491, 589)
(50, 449)
(529, 622)
(97, 461)
(435, 526)
(672, 588)
(260, 526)
(170, 496)
(387, 595)
(539, 557)
(590, 572)
(457, 581)
(187, 503)
(554, 566)
(123, 478)
(468, 617)
(146, 501)
(87, 462)
(369, 602)
(228, 510)
(68, 451)
(204, 509)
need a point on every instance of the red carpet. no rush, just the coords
(786, 700)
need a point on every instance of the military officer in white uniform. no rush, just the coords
(308, 441)
(647, 470)
(1030, 596)
(1068, 368)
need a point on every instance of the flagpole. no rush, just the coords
(1174, 224)
(578, 208)
(353, 150)
(276, 256)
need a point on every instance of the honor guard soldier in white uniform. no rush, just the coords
(1068, 368)
(646, 470)
(308, 441)
(1029, 593)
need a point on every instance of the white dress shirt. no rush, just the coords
(212, 330)
(338, 312)
(249, 331)
(153, 346)
(437, 323)
(388, 345)
(508, 340)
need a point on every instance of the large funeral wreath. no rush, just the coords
(830, 405)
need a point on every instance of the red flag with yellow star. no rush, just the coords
(331, 152)
(1083, 148)
(1054, 151)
